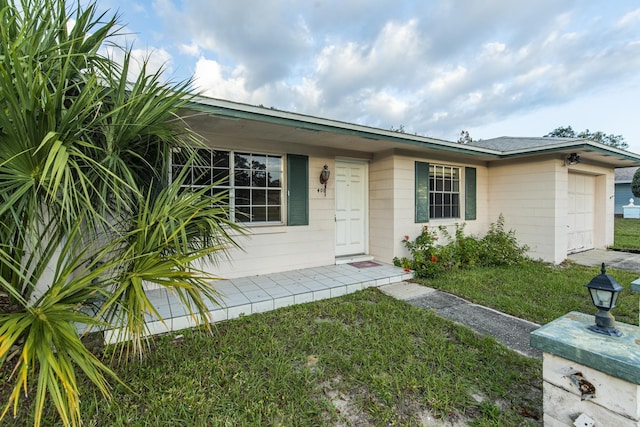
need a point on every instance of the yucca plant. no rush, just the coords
(87, 212)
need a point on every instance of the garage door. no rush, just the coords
(581, 212)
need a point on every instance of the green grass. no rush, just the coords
(361, 359)
(627, 234)
(536, 291)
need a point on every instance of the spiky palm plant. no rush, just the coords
(86, 209)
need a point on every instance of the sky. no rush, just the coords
(432, 68)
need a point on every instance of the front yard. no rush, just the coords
(362, 359)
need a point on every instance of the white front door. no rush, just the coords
(581, 212)
(351, 208)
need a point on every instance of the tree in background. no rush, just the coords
(88, 215)
(465, 138)
(616, 141)
(635, 184)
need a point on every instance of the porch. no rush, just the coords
(261, 293)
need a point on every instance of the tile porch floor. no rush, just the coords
(257, 294)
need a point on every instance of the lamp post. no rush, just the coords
(604, 292)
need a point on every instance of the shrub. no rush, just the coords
(500, 247)
(428, 259)
(424, 254)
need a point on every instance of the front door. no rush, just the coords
(351, 208)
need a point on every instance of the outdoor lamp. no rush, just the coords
(324, 178)
(604, 292)
(573, 159)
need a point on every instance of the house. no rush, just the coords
(623, 178)
(382, 185)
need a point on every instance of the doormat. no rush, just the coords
(364, 264)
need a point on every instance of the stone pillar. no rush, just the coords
(589, 379)
(635, 287)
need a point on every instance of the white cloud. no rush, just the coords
(446, 79)
(189, 49)
(432, 66)
(629, 19)
(386, 105)
(212, 80)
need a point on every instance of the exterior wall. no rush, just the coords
(392, 204)
(269, 249)
(533, 197)
(382, 214)
(526, 194)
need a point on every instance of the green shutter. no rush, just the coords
(422, 192)
(297, 190)
(469, 193)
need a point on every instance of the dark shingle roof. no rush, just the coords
(625, 174)
(509, 143)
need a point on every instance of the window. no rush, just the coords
(444, 191)
(253, 181)
(437, 192)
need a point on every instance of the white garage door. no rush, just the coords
(581, 212)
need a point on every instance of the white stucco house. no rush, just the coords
(556, 193)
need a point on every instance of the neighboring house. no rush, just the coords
(623, 178)
(384, 185)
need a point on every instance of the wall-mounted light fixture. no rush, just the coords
(572, 159)
(324, 178)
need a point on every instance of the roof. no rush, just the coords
(624, 175)
(509, 143)
(586, 149)
(288, 129)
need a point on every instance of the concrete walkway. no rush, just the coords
(509, 330)
(613, 259)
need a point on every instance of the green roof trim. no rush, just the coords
(527, 146)
(311, 123)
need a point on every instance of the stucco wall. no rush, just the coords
(533, 197)
(526, 195)
(393, 204)
(269, 248)
(382, 215)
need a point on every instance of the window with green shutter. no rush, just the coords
(438, 192)
(422, 191)
(469, 193)
(297, 190)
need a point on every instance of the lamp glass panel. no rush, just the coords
(601, 298)
(615, 299)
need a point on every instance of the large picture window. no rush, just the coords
(444, 191)
(253, 181)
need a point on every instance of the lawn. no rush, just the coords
(361, 359)
(536, 291)
(627, 234)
